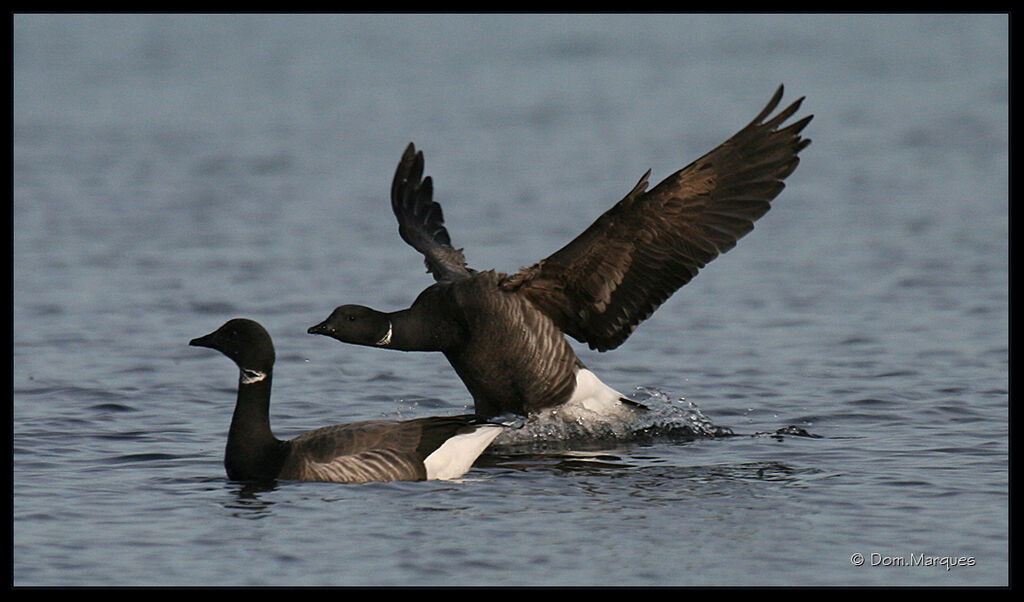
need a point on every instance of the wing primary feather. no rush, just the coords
(611, 277)
(421, 219)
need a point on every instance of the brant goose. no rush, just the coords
(503, 333)
(360, 452)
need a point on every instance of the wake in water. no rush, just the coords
(665, 419)
(660, 418)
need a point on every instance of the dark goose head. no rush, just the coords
(246, 342)
(356, 324)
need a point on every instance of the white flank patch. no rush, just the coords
(594, 397)
(456, 456)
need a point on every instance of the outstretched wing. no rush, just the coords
(421, 221)
(611, 277)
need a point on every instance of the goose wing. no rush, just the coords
(421, 221)
(377, 450)
(611, 277)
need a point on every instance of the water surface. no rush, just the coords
(845, 368)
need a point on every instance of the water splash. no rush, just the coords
(652, 416)
(668, 417)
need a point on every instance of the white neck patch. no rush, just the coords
(252, 376)
(384, 340)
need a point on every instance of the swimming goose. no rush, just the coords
(360, 452)
(504, 333)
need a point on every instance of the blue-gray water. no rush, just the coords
(172, 172)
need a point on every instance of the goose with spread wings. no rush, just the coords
(504, 334)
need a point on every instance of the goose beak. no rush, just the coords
(320, 328)
(204, 341)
